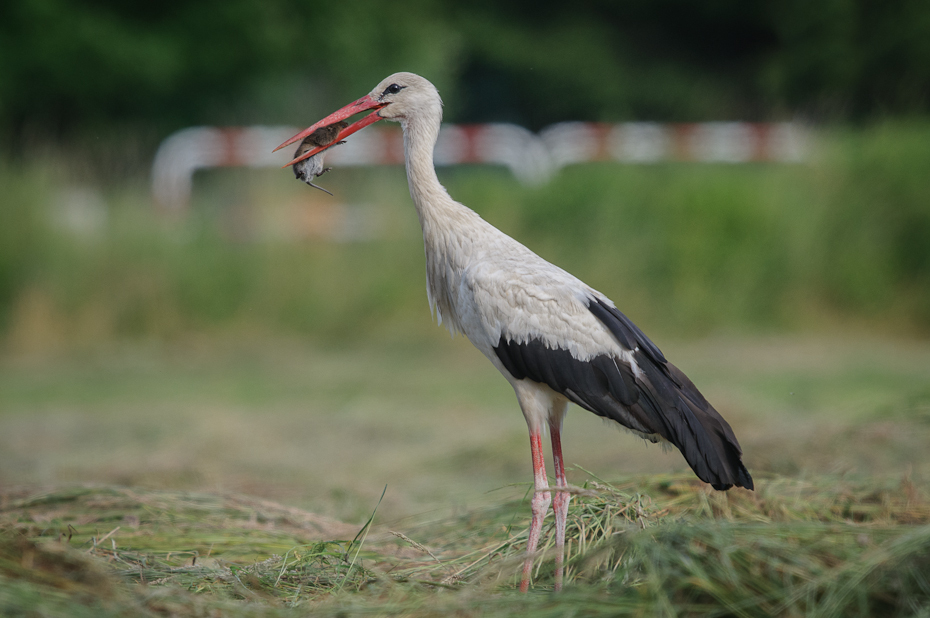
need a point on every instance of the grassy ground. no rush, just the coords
(665, 547)
(153, 481)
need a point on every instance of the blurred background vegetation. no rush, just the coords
(88, 89)
(103, 65)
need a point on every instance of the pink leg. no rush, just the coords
(539, 504)
(560, 500)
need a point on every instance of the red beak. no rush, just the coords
(363, 104)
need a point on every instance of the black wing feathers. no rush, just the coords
(627, 333)
(661, 401)
(597, 386)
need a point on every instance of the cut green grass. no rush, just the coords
(665, 545)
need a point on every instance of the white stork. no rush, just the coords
(555, 339)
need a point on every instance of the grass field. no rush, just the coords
(264, 459)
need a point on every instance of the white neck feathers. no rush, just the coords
(445, 222)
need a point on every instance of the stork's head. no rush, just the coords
(404, 94)
(398, 97)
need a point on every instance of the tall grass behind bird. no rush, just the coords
(840, 240)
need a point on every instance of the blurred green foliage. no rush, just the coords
(682, 247)
(21, 234)
(71, 66)
(88, 89)
(709, 247)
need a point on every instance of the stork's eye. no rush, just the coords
(392, 89)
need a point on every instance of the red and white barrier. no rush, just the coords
(533, 158)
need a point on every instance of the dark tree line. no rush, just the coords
(66, 64)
